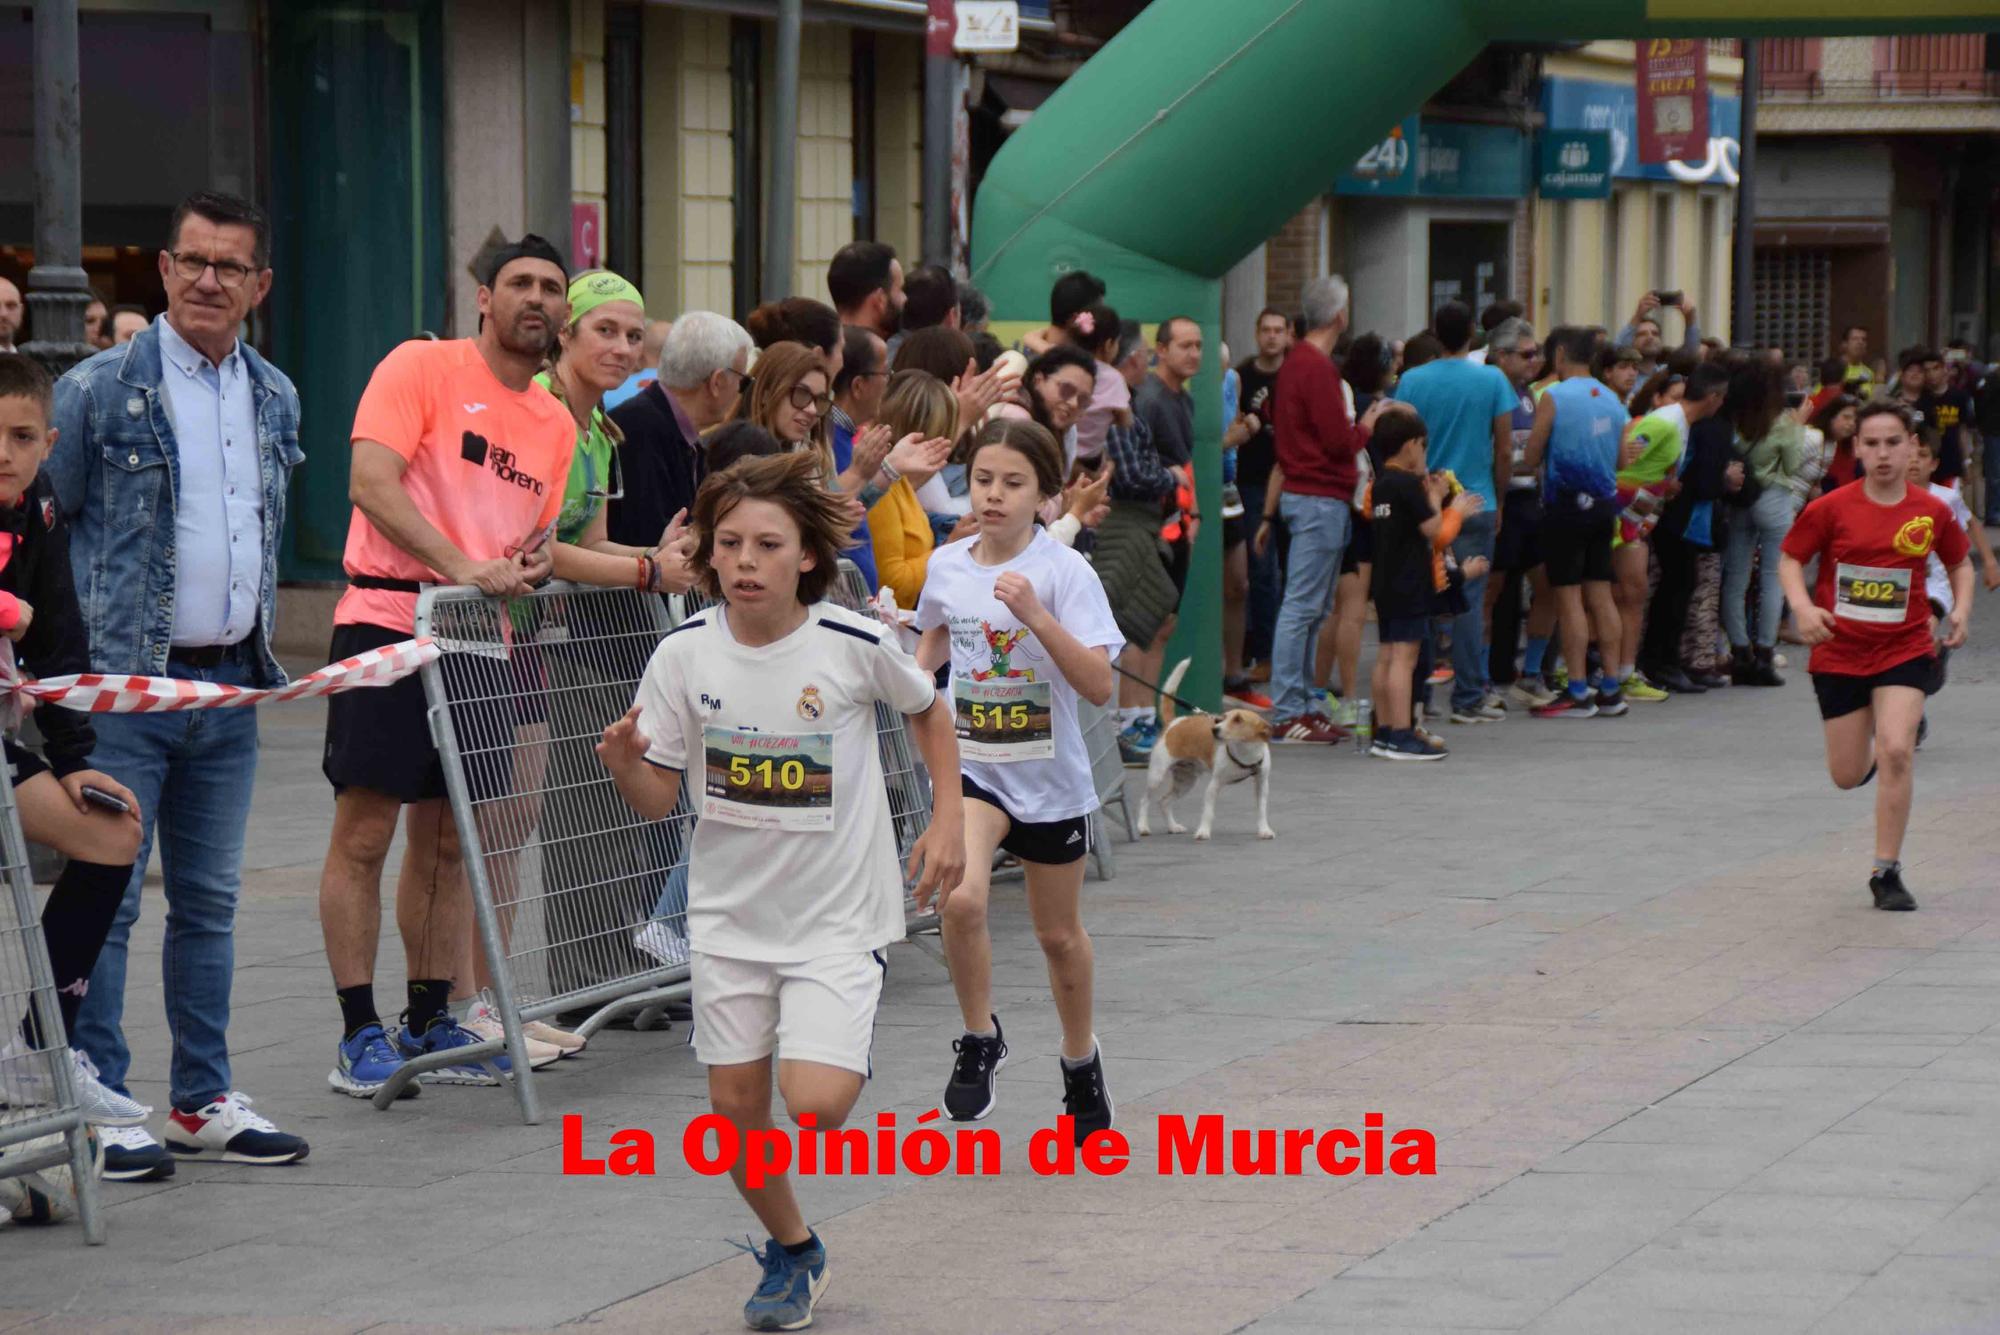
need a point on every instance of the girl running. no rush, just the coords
(1869, 623)
(794, 889)
(1024, 624)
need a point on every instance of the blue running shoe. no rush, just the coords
(365, 1062)
(1135, 744)
(791, 1285)
(444, 1034)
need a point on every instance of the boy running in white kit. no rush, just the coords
(794, 886)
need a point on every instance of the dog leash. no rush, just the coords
(1153, 686)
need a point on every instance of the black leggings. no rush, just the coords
(1667, 615)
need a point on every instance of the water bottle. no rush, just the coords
(1364, 725)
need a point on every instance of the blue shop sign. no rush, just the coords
(1442, 159)
(1586, 104)
(1574, 164)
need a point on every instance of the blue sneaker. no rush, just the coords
(791, 1285)
(444, 1034)
(1135, 743)
(365, 1062)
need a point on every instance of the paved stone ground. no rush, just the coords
(1681, 1077)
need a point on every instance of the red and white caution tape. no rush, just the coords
(125, 693)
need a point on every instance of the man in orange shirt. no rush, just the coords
(459, 462)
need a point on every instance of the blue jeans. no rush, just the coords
(192, 773)
(1319, 526)
(1266, 590)
(1469, 681)
(1990, 463)
(1755, 533)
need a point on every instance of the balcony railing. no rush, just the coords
(1885, 86)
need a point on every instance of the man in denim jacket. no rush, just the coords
(172, 464)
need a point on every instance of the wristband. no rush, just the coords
(889, 471)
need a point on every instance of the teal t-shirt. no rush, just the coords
(1458, 401)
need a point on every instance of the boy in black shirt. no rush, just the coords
(1403, 507)
(63, 802)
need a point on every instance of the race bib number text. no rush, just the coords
(1871, 593)
(1003, 720)
(768, 781)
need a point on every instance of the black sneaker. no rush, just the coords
(1085, 1097)
(970, 1097)
(1887, 887)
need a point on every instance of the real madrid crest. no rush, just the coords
(810, 705)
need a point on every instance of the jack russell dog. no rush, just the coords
(1230, 748)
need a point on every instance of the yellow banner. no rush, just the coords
(1902, 12)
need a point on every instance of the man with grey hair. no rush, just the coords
(702, 375)
(1317, 444)
(1517, 554)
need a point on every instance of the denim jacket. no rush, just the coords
(116, 470)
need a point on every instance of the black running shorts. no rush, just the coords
(1056, 843)
(1841, 694)
(1574, 554)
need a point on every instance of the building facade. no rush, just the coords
(1876, 176)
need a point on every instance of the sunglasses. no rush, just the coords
(803, 398)
(615, 488)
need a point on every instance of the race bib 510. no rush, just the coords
(768, 781)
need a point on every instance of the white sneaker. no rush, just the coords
(1494, 700)
(227, 1127)
(1525, 692)
(484, 1021)
(26, 1081)
(662, 943)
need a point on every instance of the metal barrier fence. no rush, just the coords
(1107, 770)
(39, 1116)
(580, 903)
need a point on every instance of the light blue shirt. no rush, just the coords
(219, 509)
(635, 382)
(1458, 400)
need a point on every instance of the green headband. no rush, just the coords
(592, 290)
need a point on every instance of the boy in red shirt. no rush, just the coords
(1870, 624)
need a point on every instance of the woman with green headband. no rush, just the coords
(598, 350)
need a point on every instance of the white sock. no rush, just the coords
(1078, 1063)
(1145, 716)
(1126, 717)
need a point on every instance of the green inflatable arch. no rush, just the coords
(1205, 124)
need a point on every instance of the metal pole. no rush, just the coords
(940, 82)
(781, 208)
(58, 291)
(1743, 322)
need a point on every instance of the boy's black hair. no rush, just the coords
(1071, 293)
(1393, 430)
(22, 377)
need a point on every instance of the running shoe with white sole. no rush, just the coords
(364, 1062)
(1086, 1098)
(1611, 703)
(969, 1095)
(543, 1032)
(790, 1287)
(1479, 713)
(1529, 693)
(229, 1129)
(483, 1022)
(1567, 705)
(132, 1155)
(1306, 728)
(1636, 687)
(27, 1082)
(444, 1035)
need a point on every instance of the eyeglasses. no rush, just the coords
(803, 398)
(227, 272)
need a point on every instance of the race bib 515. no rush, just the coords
(1003, 720)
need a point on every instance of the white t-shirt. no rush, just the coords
(991, 650)
(776, 726)
(1937, 581)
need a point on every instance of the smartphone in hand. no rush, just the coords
(109, 801)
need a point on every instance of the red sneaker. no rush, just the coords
(1306, 728)
(1251, 698)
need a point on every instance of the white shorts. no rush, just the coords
(818, 1010)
